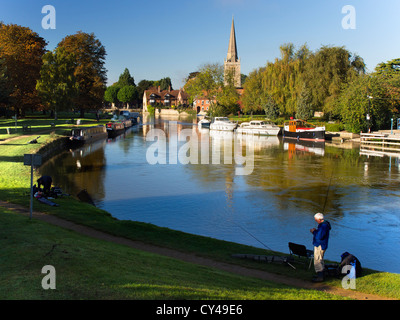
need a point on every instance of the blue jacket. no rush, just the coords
(321, 235)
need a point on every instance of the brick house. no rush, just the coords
(202, 104)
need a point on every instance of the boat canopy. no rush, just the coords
(81, 131)
(257, 122)
(221, 119)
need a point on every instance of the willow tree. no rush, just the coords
(327, 71)
(282, 80)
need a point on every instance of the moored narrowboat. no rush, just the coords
(127, 123)
(80, 136)
(114, 129)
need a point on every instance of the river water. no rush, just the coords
(262, 192)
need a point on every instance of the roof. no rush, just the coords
(173, 93)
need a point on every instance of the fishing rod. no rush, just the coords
(285, 260)
(253, 236)
(327, 191)
(329, 187)
(267, 247)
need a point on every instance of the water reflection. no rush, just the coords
(80, 169)
(304, 147)
(291, 181)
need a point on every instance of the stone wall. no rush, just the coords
(52, 148)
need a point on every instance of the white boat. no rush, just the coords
(204, 123)
(223, 124)
(257, 127)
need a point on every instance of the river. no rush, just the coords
(262, 192)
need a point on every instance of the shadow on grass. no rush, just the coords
(11, 158)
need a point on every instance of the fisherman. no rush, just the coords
(320, 243)
(46, 181)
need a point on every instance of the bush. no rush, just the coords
(279, 121)
(353, 105)
(151, 109)
(334, 127)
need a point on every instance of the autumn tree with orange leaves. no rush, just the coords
(21, 52)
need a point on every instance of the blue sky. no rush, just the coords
(158, 38)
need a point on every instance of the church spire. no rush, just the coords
(232, 55)
(232, 61)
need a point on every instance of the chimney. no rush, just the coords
(159, 89)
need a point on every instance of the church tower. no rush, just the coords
(232, 61)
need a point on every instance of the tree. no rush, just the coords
(282, 80)
(142, 86)
(323, 73)
(57, 84)
(270, 107)
(206, 84)
(243, 79)
(227, 97)
(125, 79)
(254, 93)
(21, 52)
(127, 94)
(327, 70)
(165, 84)
(4, 88)
(388, 68)
(111, 93)
(364, 95)
(90, 72)
(389, 72)
(304, 109)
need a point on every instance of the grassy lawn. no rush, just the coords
(42, 123)
(93, 269)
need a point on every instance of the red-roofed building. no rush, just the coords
(167, 98)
